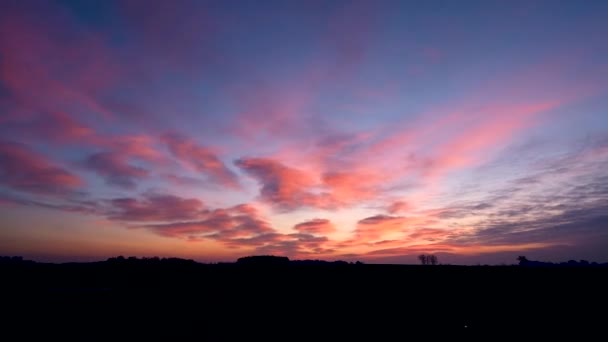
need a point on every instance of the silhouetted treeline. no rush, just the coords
(132, 260)
(523, 261)
(281, 260)
(151, 261)
(263, 260)
(14, 260)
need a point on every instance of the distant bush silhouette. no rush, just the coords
(120, 260)
(14, 260)
(427, 259)
(523, 261)
(263, 260)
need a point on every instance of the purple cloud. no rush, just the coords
(115, 169)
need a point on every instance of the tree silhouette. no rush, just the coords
(427, 259)
(263, 260)
(522, 260)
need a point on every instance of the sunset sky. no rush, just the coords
(371, 130)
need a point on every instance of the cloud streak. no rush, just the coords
(200, 159)
(225, 225)
(23, 169)
(315, 226)
(155, 207)
(115, 169)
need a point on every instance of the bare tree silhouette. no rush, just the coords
(428, 259)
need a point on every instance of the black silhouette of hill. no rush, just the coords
(273, 298)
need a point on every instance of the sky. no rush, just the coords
(338, 130)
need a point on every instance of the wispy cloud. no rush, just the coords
(238, 222)
(23, 169)
(315, 226)
(155, 207)
(116, 169)
(201, 159)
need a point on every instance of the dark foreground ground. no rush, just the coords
(101, 301)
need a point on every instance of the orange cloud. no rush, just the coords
(375, 227)
(350, 187)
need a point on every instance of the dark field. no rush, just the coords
(105, 301)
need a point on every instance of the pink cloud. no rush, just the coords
(79, 71)
(135, 146)
(351, 187)
(348, 171)
(398, 207)
(115, 164)
(63, 129)
(23, 169)
(285, 187)
(289, 188)
(457, 140)
(504, 122)
(35, 55)
(200, 159)
(315, 226)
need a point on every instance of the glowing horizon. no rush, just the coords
(370, 131)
